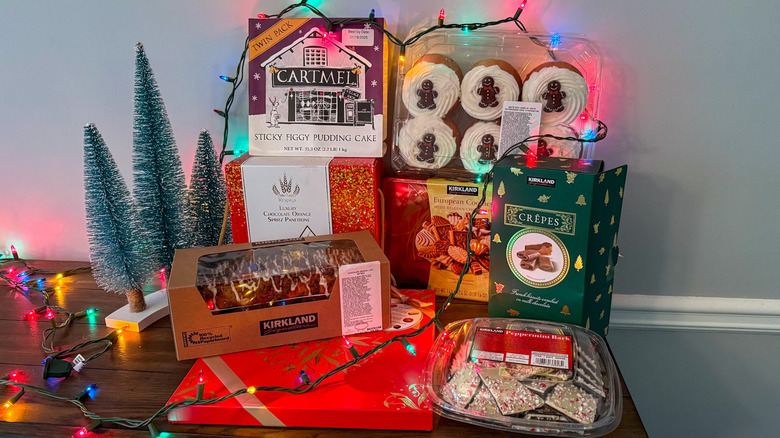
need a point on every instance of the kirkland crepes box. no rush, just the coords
(232, 298)
(316, 93)
(554, 241)
(285, 197)
(427, 227)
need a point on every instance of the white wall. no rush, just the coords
(688, 94)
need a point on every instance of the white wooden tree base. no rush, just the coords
(156, 308)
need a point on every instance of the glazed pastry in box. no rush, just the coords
(238, 297)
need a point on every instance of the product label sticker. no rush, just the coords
(523, 348)
(360, 285)
(519, 121)
(358, 37)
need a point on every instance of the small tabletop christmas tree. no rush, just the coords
(158, 184)
(208, 195)
(116, 238)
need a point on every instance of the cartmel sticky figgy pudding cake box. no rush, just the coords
(554, 239)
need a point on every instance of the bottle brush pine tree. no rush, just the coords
(158, 182)
(116, 237)
(208, 195)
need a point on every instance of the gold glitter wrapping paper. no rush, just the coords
(354, 196)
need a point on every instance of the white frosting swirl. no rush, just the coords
(445, 83)
(560, 148)
(572, 84)
(508, 90)
(469, 146)
(413, 132)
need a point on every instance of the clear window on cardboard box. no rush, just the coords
(273, 276)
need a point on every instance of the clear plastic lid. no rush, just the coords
(525, 376)
(442, 130)
(272, 276)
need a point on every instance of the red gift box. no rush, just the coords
(284, 197)
(384, 391)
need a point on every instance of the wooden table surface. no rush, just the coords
(138, 375)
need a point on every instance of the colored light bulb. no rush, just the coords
(261, 15)
(305, 378)
(555, 41)
(50, 314)
(201, 379)
(14, 253)
(441, 17)
(522, 4)
(372, 15)
(13, 399)
(465, 29)
(251, 390)
(58, 277)
(92, 311)
(409, 346)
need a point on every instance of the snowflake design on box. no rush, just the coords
(373, 83)
(254, 98)
(367, 26)
(256, 76)
(376, 48)
(258, 25)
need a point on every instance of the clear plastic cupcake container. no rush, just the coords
(458, 144)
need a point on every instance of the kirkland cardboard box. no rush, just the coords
(232, 298)
(427, 226)
(316, 93)
(554, 242)
(285, 197)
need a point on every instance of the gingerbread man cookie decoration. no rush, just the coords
(487, 149)
(553, 97)
(488, 93)
(542, 150)
(426, 95)
(427, 148)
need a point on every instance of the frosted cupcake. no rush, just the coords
(551, 147)
(487, 86)
(432, 86)
(560, 88)
(479, 146)
(428, 142)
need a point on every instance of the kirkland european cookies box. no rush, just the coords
(554, 239)
(232, 298)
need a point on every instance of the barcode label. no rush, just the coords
(551, 360)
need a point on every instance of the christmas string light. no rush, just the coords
(599, 134)
(10, 402)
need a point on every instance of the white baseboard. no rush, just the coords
(665, 312)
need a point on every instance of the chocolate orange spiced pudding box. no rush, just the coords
(240, 297)
(554, 239)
